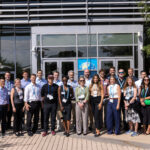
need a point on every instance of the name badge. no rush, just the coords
(122, 90)
(81, 97)
(95, 93)
(21, 97)
(127, 98)
(111, 100)
(105, 83)
(8, 93)
(63, 93)
(64, 100)
(50, 97)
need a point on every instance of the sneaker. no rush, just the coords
(44, 134)
(129, 132)
(134, 134)
(53, 133)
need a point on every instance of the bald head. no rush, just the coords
(86, 73)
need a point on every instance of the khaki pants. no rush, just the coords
(59, 116)
(82, 119)
(73, 112)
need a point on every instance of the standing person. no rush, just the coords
(130, 74)
(59, 114)
(74, 84)
(121, 81)
(17, 106)
(49, 95)
(145, 96)
(96, 100)
(25, 80)
(112, 72)
(82, 97)
(113, 106)
(105, 82)
(9, 85)
(65, 93)
(40, 81)
(131, 116)
(4, 105)
(32, 99)
(87, 83)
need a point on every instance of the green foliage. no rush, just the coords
(146, 49)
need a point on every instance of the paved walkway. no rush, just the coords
(74, 142)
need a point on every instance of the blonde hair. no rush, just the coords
(17, 79)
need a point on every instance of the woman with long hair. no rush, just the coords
(131, 116)
(113, 106)
(96, 100)
(145, 99)
(17, 106)
(65, 93)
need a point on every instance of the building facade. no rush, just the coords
(70, 35)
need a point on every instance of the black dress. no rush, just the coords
(66, 102)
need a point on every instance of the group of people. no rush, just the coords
(112, 101)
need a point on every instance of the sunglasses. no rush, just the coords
(146, 79)
(82, 80)
(121, 72)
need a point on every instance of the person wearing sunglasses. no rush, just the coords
(121, 81)
(113, 107)
(82, 97)
(145, 96)
(65, 94)
(96, 101)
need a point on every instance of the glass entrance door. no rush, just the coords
(62, 66)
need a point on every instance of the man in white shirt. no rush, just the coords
(32, 99)
(59, 114)
(74, 85)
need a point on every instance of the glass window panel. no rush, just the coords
(92, 73)
(115, 39)
(82, 51)
(82, 39)
(53, 52)
(55, 40)
(136, 38)
(124, 65)
(49, 68)
(66, 66)
(136, 57)
(112, 51)
(38, 40)
(136, 73)
(106, 65)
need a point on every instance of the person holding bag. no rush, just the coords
(82, 97)
(65, 93)
(145, 98)
(131, 116)
(96, 101)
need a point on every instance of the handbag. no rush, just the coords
(147, 102)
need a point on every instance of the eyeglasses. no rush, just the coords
(82, 80)
(121, 72)
(146, 79)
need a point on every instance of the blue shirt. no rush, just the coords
(58, 82)
(9, 85)
(41, 82)
(4, 97)
(24, 83)
(73, 84)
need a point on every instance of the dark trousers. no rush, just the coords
(3, 114)
(105, 112)
(113, 116)
(9, 115)
(42, 117)
(33, 111)
(18, 117)
(96, 112)
(49, 109)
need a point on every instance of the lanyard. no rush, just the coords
(82, 90)
(121, 84)
(33, 90)
(8, 85)
(2, 91)
(111, 91)
(130, 91)
(145, 92)
(51, 91)
(65, 92)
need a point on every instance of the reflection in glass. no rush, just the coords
(49, 68)
(110, 51)
(60, 39)
(124, 38)
(38, 40)
(53, 52)
(66, 66)
(106, 65)
(82, 39)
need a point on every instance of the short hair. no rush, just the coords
(112, 68)
(70, 71)
(7, 72)
(39, 70)
(55, 72)
(130, 69)
(102, 70)
(2, 78)
(81, 77)
(142, 71)
(17, 79)
(33, 74)
(65, 77)
(24, 71)
(120, 69)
